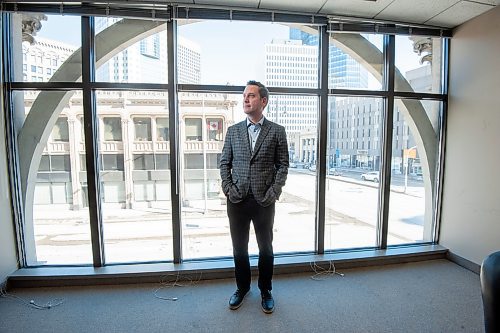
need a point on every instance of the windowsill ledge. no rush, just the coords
(215, 269)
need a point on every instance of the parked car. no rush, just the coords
(312, 167)
(418, 176)
(373, 176)
(334, 172)
(292, 165)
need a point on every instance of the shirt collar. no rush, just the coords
(261, 122)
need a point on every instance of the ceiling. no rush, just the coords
(439, 13)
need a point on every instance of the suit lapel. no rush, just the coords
(243, 132)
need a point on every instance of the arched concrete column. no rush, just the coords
(46, 108)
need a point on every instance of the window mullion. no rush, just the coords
(322, 140)
(174, 140)
(91, 144)
(386, 149)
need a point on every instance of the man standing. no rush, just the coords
(253, 168)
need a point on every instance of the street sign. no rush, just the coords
(410, 153)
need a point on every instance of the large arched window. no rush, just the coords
(145, 103)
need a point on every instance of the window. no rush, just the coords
(112, 129)
(193, 129)
(410, 219)
(194, 161)
(162, 161)
(214, 129)
(141, 62)
(162, 133)
(213, 161)
(112, 162)
(49, 163)
(52, 193)
(142, 127)
(144, 162)
(60, 163)
(44, 163)
(135, 182)
(60, 131)
(420, 73)
(136, 159)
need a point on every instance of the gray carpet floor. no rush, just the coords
(430, 296)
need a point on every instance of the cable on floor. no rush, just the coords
(31, 303)
(322, 273)
(174, 280)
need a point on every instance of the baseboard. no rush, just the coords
(465, 263)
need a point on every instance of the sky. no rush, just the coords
(237, 49)
(234, 54)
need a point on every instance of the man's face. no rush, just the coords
(253, 104)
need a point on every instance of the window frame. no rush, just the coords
(88, 86)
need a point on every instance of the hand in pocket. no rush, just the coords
(234, 194)
(269, 197)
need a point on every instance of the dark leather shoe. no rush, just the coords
(267, 301)
(237, 299)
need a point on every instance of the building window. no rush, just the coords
(193, 161)
(60, 131)
(44, 163)
(193, 129)
(162, 161)
(60, 163)
(53, 193)
(214, 129)
(144, 162)
(112, 162)
(142, 127)
(213, 161)
(162, 132)
(49, 163)
(112, 129)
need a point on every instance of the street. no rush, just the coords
(145, 234)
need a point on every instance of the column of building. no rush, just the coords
(128, 160)
(74, 161)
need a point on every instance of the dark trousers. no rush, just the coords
(240, 215)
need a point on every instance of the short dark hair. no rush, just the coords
(263, 92)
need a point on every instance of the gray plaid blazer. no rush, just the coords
(266, 168)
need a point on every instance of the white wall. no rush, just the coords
(470, 224)
(8, 258)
